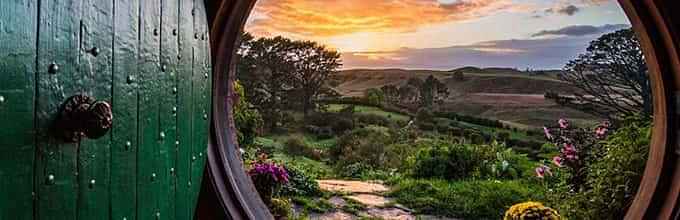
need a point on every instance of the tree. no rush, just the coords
(432, 90)
(374, 96)
(612, 76)
(266, 68)
(247, 119)
(314, 64)
(391, 93)
(279, 73)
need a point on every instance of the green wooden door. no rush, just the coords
(150, 60)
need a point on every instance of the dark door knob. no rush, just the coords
(82, 116)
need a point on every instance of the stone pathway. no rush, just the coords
(370, 195)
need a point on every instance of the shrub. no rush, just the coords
(477, 199)
(339, 122)
(531, 211)
(267, 176)
(424, 115)
(612, 180)
(453, 161)
(464, 161)
(248, 120)
(373, 119)
(296, 146)
(363, 145)
(299, 184)
(280, 207)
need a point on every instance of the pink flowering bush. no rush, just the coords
(267, 176)
(577, 147)
(597, 171)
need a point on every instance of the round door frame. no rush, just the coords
(657, 198)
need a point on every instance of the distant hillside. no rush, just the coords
(489, 80)
(510, 95)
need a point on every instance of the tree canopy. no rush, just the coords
(611, 76)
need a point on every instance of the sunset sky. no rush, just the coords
(442, 34)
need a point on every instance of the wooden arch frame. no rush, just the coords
(228, 191)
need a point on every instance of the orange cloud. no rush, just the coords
(326, 18)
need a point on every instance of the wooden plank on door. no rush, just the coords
(184, 110)
(149, 137)
(124, 104)
(17, 93)
(168, 106)
(95, 74)
(57, 62)
(202, 79)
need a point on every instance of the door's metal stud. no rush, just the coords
(172, 171)
(162, 135)
(130, 79)
(203, 37)
(193, 158)
(200, 154)
(124, 218)
(174, 90)
(205, 116)
(155, 32)
(174, 32)
(50, 179)
(158, 215)
(179, 57)
(193, 11)
(2, 99)
(205, 75)
(128, 145)
(176, 142)
(94, 51)
(164, 68)
(196, 36)
(174, 110)
(53, 68)
(189, 184)
(153, 176)
(92, 182)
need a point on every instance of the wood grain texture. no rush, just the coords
(148, 155)
(124, 103)
(185, 109)
(95, 74)
(17, 93)
(57, 162)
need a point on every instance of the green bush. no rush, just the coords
(339, 122)
(476, 199)
(296, 146)
(612, 180)
(373, 119)
(364, 145)
(299, 184)
(464, 161)
(449, 161)
(247, 119)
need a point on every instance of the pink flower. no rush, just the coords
(557, 160)
(601, 131)
(563, 123)
(569, 152)
(547, 133)
(542, 170)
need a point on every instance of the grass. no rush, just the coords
(370, 110)
(470, 199)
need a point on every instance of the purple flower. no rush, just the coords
(569, 152)
(542, 170)
(563, 123)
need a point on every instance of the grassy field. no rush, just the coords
(370, 110)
